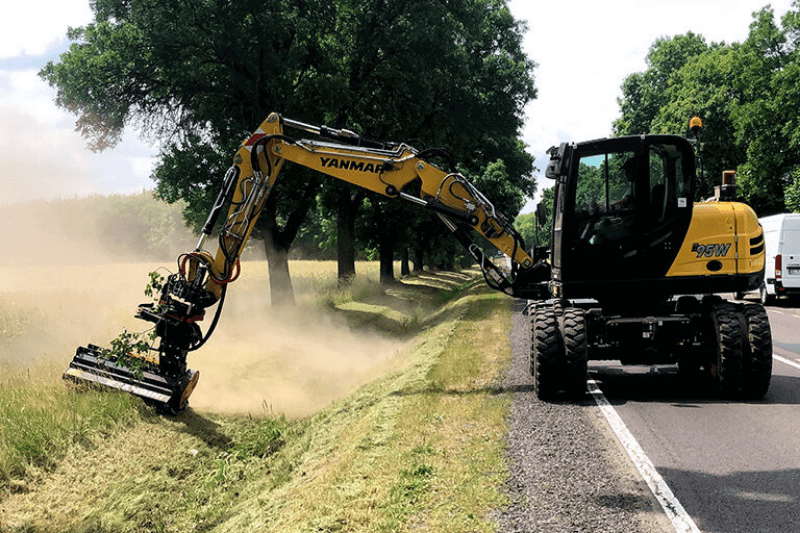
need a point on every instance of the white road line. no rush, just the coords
(786, 361)
(680, 519)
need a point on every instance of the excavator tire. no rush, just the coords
(757, 364)
(729, 339)
(546, 347)
(576, 352)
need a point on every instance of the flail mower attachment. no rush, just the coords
(159, 375)
(168, 393)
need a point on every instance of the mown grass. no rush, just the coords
(418, 449)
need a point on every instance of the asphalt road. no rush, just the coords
(734, 466)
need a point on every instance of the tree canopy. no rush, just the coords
(199, 75)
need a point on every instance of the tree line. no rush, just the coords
(115, 228)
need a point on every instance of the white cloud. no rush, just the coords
(31, 28)
(40, 161)
(43, 157)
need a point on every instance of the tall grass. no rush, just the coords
(330, 292)
(41, 419)
(15, 319)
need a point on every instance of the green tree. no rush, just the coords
(705, 87)
(792, 195)
(760, 115)
(199, 76)
(449, 75)
(645, 93)
(745, 93)
(535, 231)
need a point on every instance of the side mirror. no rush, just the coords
(559, 161)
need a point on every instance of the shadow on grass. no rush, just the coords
(409, 305)
(204, 429)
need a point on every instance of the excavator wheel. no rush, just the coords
(729, 340)
(576, 353)
(757, 364)
(546, 347)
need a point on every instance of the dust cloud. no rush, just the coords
(58, 293)
(284, 361)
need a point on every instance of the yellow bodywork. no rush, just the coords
(723, 238)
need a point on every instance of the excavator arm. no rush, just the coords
(389, 169)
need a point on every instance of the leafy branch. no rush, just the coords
(130, 349)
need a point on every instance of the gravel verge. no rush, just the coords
(568, 471)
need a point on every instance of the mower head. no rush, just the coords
(163, 381)
(167, 393)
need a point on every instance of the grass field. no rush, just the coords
(368, 409)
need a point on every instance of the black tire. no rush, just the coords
(546, 349)
(576, 353)
(728, 340)
(757, 363)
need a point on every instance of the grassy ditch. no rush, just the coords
(420, 448)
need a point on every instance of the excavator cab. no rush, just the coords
(623, 207)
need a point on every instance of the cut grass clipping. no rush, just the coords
(419, 449)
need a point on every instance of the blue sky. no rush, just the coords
(42, 157)
(26, 61)
(583, 48)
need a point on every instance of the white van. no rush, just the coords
(782, 270)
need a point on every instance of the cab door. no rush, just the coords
(625, 209)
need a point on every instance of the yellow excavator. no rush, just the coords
(630, 251)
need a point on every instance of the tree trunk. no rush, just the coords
(419, 259)
(278, 241)
(422, 244)
(280, 280)
(387, 238)
(404, 269)
(386, 251)
(345, 234)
